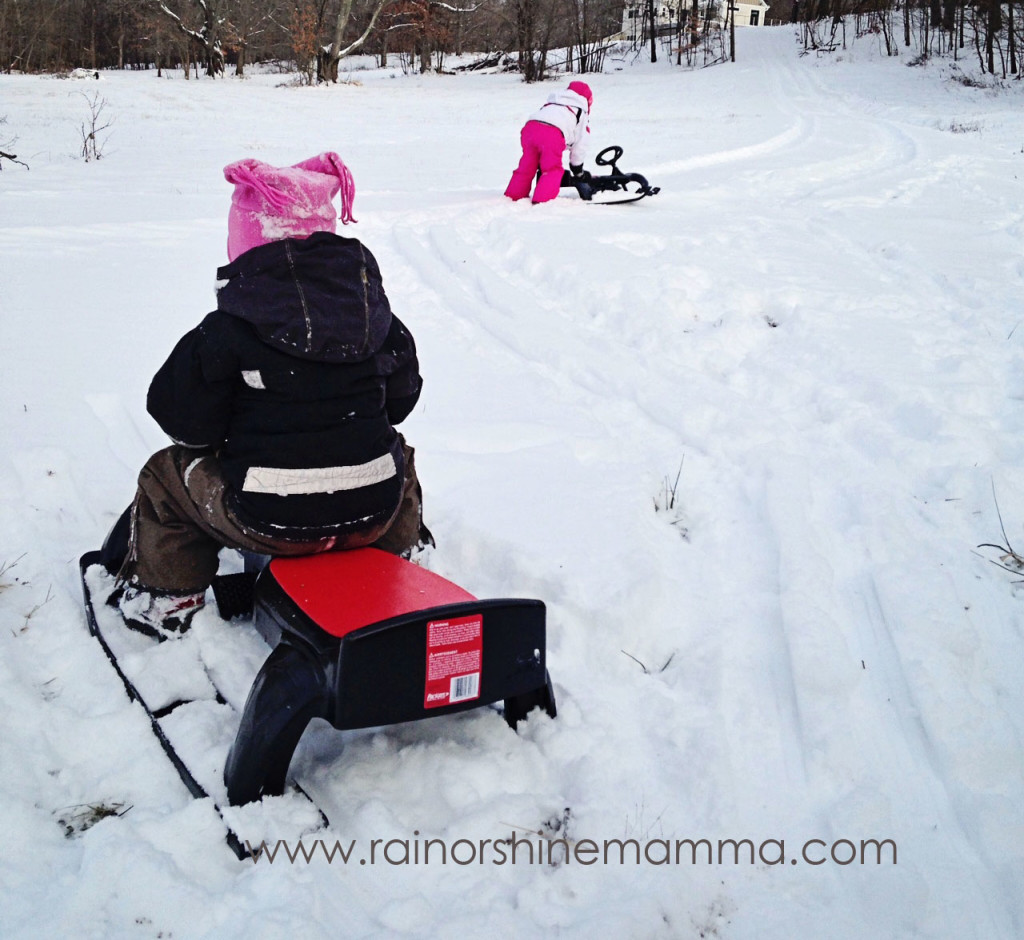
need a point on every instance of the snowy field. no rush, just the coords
(820, 319)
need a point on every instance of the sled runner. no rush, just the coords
(593, 188)
(359, 638)
(179, 692)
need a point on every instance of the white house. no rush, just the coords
(749, 12)
(666, 17)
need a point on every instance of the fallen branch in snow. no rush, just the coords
(553, 831)
(13, 157)
(4, 155)
(647, 671)
(75, 820)
(7, 566)
(46, 600)
(667, 498)
(1010, 559)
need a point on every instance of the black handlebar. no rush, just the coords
(601, 160)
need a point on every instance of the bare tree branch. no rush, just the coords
(13, 157)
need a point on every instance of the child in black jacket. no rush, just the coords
(282, 404)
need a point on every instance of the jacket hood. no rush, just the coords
(318, 298)
(569, 98)
(582, 88)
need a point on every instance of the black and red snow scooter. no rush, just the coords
(359, 638)
(597, 190)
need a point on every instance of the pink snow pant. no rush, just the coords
(543, 145)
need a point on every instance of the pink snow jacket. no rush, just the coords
(567, 111)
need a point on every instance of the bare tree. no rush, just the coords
(92, 146)
(202, 22)
(250, 23)
(304, 37)
(534, 22)
(423, 29)
(339, 48)
(591, 21)
(27, 36)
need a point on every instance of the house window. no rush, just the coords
(754, 14)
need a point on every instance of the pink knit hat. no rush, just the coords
(270, 203)
(582, 88)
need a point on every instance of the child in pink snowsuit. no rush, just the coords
(563, 122)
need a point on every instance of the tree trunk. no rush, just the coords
(525, 23)
(949, 18)
(207, 37)
(650, 17)
(935, 17)
(732, 31)
(92, 36)
(337, 52)
(1011, 39)
(334, 54)
(993, 24)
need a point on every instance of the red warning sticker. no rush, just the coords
(454, 653)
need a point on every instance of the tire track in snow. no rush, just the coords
(881, 163)
(500, 316)
(785, 141)
(511, 312)
(878, 166)
(937, 799)
(861, 147)
(129, 449)
(580, 361)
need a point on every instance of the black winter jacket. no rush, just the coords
(297, 380)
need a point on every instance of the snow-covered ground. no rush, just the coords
(819, 318)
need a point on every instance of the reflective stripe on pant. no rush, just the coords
(180, 521)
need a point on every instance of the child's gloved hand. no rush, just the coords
(576, 169)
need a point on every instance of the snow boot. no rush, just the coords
(160, 614)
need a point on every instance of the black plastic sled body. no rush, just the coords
(366, 639)
(358, 638)
(630, 187)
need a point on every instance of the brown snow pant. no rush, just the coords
(180, 521)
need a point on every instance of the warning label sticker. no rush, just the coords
(454, 653)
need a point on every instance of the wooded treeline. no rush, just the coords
(986, 30)
(212, 37)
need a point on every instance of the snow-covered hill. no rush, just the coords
(818, 319)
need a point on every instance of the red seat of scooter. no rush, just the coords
(345, 591)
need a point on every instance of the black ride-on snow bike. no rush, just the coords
(632, 185)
